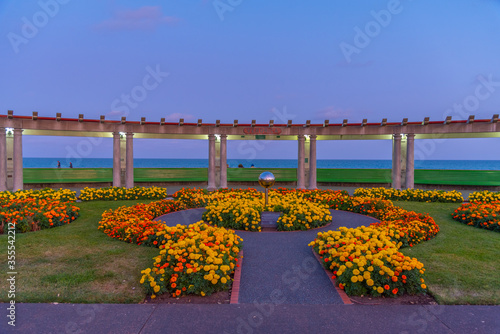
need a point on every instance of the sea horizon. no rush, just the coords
(36, 162)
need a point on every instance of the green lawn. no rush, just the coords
(77, 263)
(462, 263)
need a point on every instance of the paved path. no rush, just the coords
(280, 265)
(250, 318)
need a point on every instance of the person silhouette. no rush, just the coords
(58, 164)
(70, 165)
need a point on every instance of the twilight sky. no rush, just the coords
(236, 59)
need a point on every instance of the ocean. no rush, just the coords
(260, 163)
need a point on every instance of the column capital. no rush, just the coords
(410, 136)
(312, 137)
(129, 134)
(301, 137)
(223, 136)
(116, 133)
(18, 131)
(396, 136)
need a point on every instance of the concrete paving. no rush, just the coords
(251, 318)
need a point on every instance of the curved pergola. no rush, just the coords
(403, 134)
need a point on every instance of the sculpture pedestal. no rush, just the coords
(269, 221)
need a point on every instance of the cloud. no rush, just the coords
(144, 18)
(116, 113)
(331, 113)
(176, 116)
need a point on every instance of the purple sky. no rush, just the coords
(249, 60)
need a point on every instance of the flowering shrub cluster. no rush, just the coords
(33, 214)
(234, 213)
(121, 193)
(195, 259)
(485, 196)
(237, 209)
(415, 195)
(482, 215)
(192, 197)
(366, 260)
(135, 224)
(64, 195)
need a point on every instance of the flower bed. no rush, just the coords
(196, 259)
(242, 210)
(64, 195)
(366, 260)
(33, 214)
(415, 195)
(121, 193)
(135, 224)
(485, 196)
(482, 215)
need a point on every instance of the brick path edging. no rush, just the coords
(235, 290)
(345, 298)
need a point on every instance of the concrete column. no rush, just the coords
(217, 161)
(312, 162)
(396, 161)
(223, 161)
(307, 150)
(117, 182)
(301, 163)
(123, 157)
(410, 161)
(211, 163)
(10, 159)
(129, 169)
(18, 159)
(3, 160)
(403, 159)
